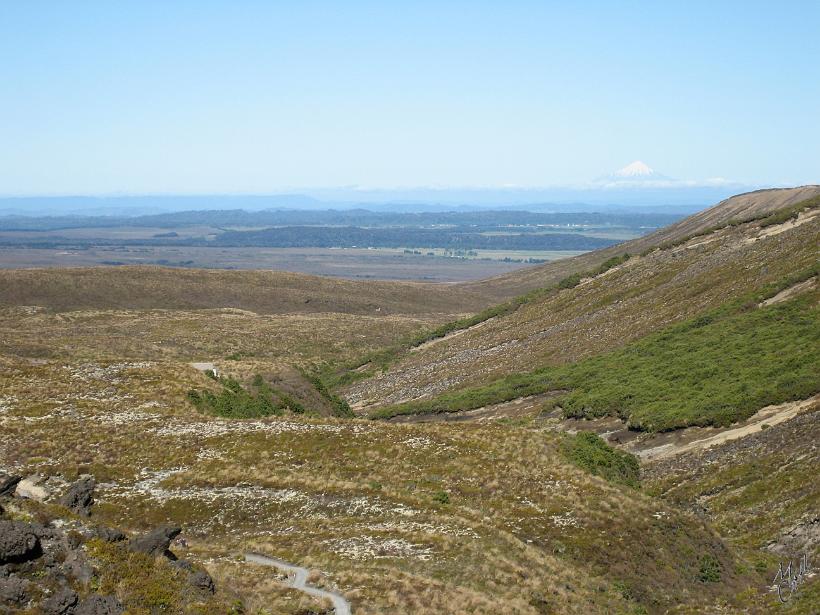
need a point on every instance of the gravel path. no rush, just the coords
(297, 579)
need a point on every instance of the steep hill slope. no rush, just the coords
(739, 207)
(627, 302)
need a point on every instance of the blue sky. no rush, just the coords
(201, 96)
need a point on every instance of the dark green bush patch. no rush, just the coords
(712, 370)
(236, 401)
(589, 452)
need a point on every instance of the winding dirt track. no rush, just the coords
(297, 579)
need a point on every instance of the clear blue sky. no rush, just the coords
(200, 96)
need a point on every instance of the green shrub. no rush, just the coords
(588, 451)
(710, 570)
(712, 370)
(442, 497)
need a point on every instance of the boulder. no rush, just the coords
(13, 591)
(100, 605)
(76, 566)
(79, 498)
(33, 488)
(8, 484)
(108, 534)
(196, 578)
(155, 542)
(202, 581)
(61, 602)
(18, 543)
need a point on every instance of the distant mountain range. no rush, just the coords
(634, 187)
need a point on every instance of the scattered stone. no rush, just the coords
(8, 484)
(109, 534)
(100, 605)
(202, 581)
(33, 488)
(79, 498)
(18, 543)
(13, 591)
(77, 566)
(155, 542)
(62, 602)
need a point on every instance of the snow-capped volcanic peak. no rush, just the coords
(635, 170)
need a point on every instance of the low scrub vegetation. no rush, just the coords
(383, 358)
(589, 451)
(714, 369)
(236, 401)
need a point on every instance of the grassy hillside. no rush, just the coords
(263, 292)
(605, 310)
(422, 519)
(711, 370)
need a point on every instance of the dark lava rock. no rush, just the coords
(155, 542)
(100, 605)
(62, 602)
(109, 534)
(183, 564)
(77, 566)
(18, 543)
(202, 581)
(13, 591)
(79, 498)
(196, 578)
(8, 484)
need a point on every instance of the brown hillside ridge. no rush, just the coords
(263, 292)
(739, 207)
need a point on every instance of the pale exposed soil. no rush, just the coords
(790, 292)
(769, 416)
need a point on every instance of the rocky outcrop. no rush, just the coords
(13, 591)
(34, 488)
(8, 484)
(79, 498)
(48, 568)
(62, 602)
(108, 534)
(155, 542)
(199, 579)
(18, 542)
(803, 537)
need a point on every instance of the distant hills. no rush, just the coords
(636, 187)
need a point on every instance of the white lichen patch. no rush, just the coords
(7, 403)
(364, 548)
(413, 527)
(216, 427)
(363, 506)
(108, 373)
(565, 520)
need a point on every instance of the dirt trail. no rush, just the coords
(297, 579)
(770, 415)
